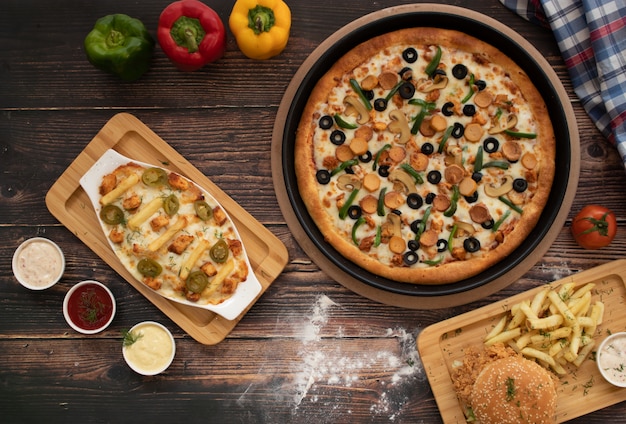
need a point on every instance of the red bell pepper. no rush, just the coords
(191, 34)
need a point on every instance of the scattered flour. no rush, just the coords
(320, 368)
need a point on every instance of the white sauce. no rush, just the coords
(612, 360)
(39, 264)
(152, 352)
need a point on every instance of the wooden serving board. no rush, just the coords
(126, 134)
(581, 391)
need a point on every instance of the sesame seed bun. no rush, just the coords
(514, 390)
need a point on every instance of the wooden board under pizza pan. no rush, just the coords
(412, 295)
(69, 203)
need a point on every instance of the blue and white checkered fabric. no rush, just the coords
(591, 35)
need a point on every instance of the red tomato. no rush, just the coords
(594, 227)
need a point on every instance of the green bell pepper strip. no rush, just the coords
(355, 227)
(496, 164)
(520, 134)
(358, 90)
(422, 224)
(453, 202)
(377, 157)
(471, 91)
(478, 163)
(342, 123)
(510, 204)
(451, 237)
(380, 210)
(434, 262)
(500, 221)
(434, 63)
(444, 138)
(343, 166)
(343, 212)
(120, 45)
(412, 172)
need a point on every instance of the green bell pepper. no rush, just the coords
(120, 45)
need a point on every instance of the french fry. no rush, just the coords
(120, 189)
(219, 278)
(145, 212)
(537, 304)
(562, 308)
(167, 235)
(538, 354)
(551, 321)
(504, 336)
(498, 328)
(200, 248)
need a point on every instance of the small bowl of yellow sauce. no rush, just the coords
(148, 348)
(611, 359)
(38, 263)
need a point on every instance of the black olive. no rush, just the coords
(491, 145)
(369, 94)
(414, 201)
(413, 245)
(323, 176)
(366, 157)
(477, 176)
(480, 84)
(434, 177)
(355, 212)
(469, 110)
(471, 244)
(473, 198)
(442, 245)
(415, 225)
(439, 71)
(446, 109)
(457, 130)
(520, 185)
(410, 257)
(326, 122)
(380, 104)
(349, 170)
(406, 90)
(396, 212)
(410, 55)
(337, 137)
(487, 225)
(427, 148)
(406, 73)
(383, 170)
(459, 71)
(429, 198)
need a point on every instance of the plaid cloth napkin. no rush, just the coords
(591, 35)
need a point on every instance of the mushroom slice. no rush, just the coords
(400, 176)
(349, 182)
(501, 126)
(399, 125)
(426, 85)
(497, 191)
(359, 107)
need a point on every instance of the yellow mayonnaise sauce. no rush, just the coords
(39, 264)
(152, 352)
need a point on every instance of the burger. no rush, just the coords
(508, 389)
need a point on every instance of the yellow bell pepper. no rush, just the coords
(261, 27)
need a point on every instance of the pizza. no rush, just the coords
(425, 155)
(171, 235)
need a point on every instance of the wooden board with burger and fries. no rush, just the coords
(559, 326)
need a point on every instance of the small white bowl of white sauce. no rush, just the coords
(38, 263)
(149, 348)
(611, 359)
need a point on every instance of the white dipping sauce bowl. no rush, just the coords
(611, 359)
(38, 263)
(153, 351)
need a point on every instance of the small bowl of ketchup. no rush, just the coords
(89, 307)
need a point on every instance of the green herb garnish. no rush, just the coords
(130, 337)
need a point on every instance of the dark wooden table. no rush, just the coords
(310, 350)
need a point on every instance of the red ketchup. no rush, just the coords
(90, 307)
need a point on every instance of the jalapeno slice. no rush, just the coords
(197, 281)
(203, 210)
(171, 204)
(219, 251)
(153, 177)
(111, 215)
(149, 267)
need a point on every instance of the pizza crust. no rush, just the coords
(306, 167)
